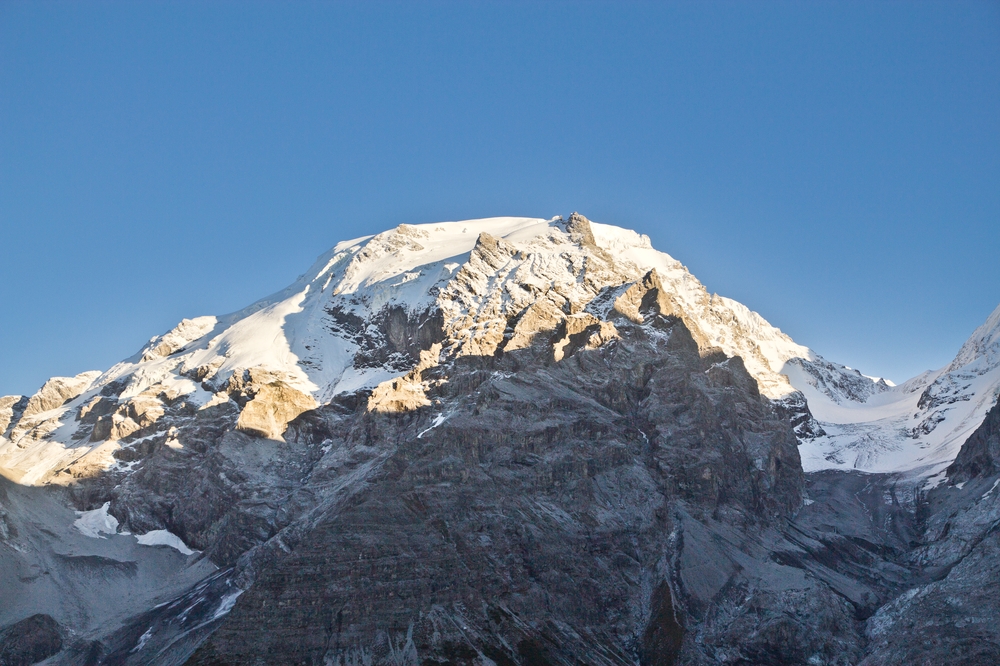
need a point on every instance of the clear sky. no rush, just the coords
(834, 166)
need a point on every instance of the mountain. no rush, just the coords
(509, 440)
(917, 427)
(372, 309)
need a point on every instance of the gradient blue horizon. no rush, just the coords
(833, 166)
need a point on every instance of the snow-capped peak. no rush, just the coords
(918, 426)
(373, 312)
(982, 347)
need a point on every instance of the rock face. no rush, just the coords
(56, 392)
(33, 419)
(536, 511)
(269, 403)
(980, 455)
(30, 641)
(11, 409)
(365, 318)
(170, 343)
(505, 441)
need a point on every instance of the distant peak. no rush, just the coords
(984, 343)
(579, 229)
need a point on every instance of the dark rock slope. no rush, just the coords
(558, 512)
(634, 503)
(30, 641)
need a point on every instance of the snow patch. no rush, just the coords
(227, 604)
(96, 522)
(438, 420)
(163, 538)
(142, 641)
(917, 427)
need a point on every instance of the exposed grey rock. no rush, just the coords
(795, 410)
(84, 586)
(840, 384)
(953, 620)
(30, 641)
(547, 483)
(980, 455)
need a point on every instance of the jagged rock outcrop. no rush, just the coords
(406, 393)
(11, 409)
(56, 392)
(125, 419)
(188, 330)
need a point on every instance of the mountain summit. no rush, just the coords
(497, 441)
(375, 314)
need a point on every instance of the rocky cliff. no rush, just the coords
(536, 510)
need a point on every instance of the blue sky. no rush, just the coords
(834, 166)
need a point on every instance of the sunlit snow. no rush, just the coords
(869, 424)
